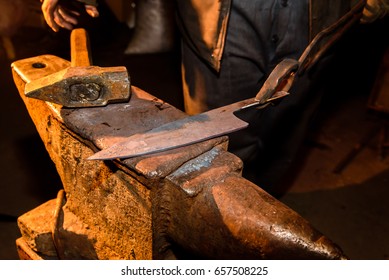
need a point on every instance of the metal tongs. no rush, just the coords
(281, 78)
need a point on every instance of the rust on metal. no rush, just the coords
(80, 84)
(193, 197)
(211, 210)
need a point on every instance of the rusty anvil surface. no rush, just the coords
(193, 198)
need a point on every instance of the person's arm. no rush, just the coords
(58, 16)
(374, 10)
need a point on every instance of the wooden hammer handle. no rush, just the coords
(79, 48)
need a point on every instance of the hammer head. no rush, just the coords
(82, 86)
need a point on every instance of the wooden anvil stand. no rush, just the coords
(191, 202)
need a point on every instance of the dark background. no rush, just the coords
(351, 207)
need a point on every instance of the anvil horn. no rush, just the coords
(236, 219)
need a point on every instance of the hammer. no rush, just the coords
(81, 84)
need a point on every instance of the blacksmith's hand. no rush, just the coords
(57, 16)
(375, 9)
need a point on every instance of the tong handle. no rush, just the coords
(282, 76)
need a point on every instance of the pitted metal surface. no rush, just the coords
(79, 84)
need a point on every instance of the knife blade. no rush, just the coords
(205, 126)
(222, 121)
(183, 132)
